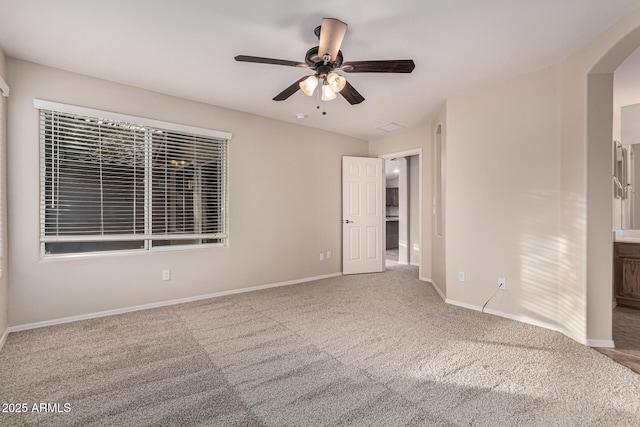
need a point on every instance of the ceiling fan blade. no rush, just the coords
(289, 91)
(331, 35)
(351, 94)
(390, 66)
(260, 60)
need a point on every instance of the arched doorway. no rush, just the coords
(599, 131)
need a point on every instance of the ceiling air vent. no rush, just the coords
(390, 127)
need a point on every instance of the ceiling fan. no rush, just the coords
(324, 59)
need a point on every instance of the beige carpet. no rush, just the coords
(380, 349)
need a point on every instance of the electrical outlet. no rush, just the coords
(166, 275)
(461, 276)
(502, 283)
(321, 256)
(328, 254)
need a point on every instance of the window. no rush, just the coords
(111, 182)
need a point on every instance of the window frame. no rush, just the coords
(147, 247)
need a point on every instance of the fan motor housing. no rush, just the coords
(314, 61)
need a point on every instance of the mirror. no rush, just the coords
(626, 163)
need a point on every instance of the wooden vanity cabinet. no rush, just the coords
(392, 196)
(626, 273)
(392, 234)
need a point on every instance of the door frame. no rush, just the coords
(407, 153)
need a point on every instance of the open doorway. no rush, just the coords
(625, 317)
(402, 209)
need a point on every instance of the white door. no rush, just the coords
(363, 215)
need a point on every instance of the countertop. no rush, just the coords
(628, 236)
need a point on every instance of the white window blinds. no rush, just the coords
(120, 185)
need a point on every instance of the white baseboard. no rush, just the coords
(510, 316)
(437, 289)
(535, 322)
(3, 339)
(158, 304)
(462, 304)
(601, 343)
(589, 343)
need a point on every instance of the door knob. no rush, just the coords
(348, 222)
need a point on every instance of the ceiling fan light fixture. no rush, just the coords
(327, 93)
(324, 58)
(336, 81)
(308, 85)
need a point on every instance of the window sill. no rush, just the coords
(110, 254)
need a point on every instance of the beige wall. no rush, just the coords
(529, 191)
(284, 203)
(502, 196)
(4, 293)
(408, 140)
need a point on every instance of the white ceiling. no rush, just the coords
(186, 48)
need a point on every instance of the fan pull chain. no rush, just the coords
(324, 108)
(324, 104)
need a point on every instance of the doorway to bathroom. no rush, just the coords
(402, 210)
